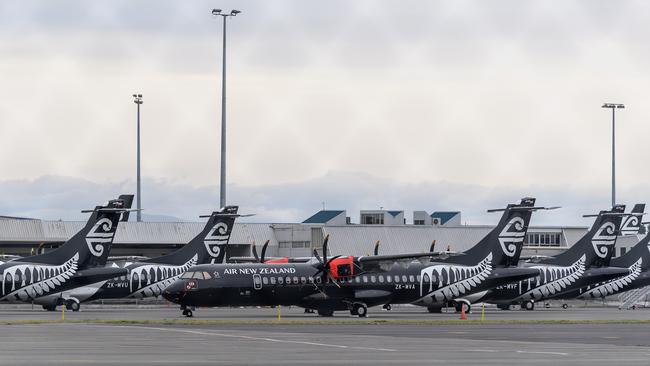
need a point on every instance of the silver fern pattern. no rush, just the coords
(151, 279)
(28, 281)
(615, 285)
(448, 281)
(552, 280)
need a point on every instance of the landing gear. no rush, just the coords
(528, 305)
(359, 309)
(309, 311)
(435, 309)
(565, 306)
(325, 312)
(387, 307)
(49, 307)
(72, 305)
(188, 313)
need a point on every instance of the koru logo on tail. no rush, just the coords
(217, 237)
(604, 239)
(99, 235)
(631, 225)
(512, 235)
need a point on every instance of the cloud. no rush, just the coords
(56, 197)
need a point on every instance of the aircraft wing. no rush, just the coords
(385, 262)
(98, 274)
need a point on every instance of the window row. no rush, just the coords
(541, 239)
(358, 279)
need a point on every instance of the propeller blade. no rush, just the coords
(266, 245)
(377, 248)
(433, 246)
(327, 239)
(257, 257)
(334, 281)
(317, 256)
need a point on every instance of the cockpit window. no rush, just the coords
(207, 276)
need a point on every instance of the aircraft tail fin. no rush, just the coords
(92, 243)
(128, 201)
(504, 243)
(209, 246)
(597, 245)
(632, 224)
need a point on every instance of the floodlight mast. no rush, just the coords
(137, 99)
(222, 188)
(613, 107)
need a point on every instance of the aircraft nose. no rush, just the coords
(174, 292)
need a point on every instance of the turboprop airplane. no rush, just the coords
(79, 261)
(147, 278)
(637, 261)
(355, 283)
(585, 263)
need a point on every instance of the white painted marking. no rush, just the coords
(545, 353)
(266, 339)
(482, 350)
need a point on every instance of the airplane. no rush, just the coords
(79, 261)
(355, 283)
(585, 263)
(637, 261)
(148, 277)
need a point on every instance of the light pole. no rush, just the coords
(137, 99)
(217, 12)
(613, 107)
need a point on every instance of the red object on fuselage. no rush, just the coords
(342, 267)
(277, 261)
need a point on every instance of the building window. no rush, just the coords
(418, 222)
(372, 219)
(284, 244)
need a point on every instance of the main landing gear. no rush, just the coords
(387, 307)
(359, 309)
(187, 312)
(528, 305)
(72, 305)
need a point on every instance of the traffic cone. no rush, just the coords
(462, 312)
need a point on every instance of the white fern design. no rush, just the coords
(163, 276)
(553, 279)
(465, 278)
(36, 279)
(616, 285)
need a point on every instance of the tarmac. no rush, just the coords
(253, 336)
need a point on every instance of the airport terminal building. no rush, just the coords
(20, 236)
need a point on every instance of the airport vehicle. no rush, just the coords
(355, 283)
(79, 261)
(147, 278)
(585, 263)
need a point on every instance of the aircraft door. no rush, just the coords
(257, 282)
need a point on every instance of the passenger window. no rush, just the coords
(404, 279)
(412, 278)
(295, 280)
(373, 279)
(272, 280)
(357, 279)
(381, 279)
(280, 280)
(389, 278)
(365, 279)
(303, 280)
(319, 279)
(287, 280)
(396, 279)
(265, 280)
(418, 278)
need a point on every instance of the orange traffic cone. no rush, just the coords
(462, 312)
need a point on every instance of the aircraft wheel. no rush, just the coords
(565, 306)
(72, 305)
(49, 307)
(361, 310)
(325, 312)
(188, 313)
(435, 309)
(387, 307)
(529, 305)
(459, 307)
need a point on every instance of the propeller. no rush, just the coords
(377, 248)
(264, 247)
(324, 263)
(433, 246)
(257, 257)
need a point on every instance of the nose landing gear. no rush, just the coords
(187, 312)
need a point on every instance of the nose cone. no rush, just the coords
(174, 292)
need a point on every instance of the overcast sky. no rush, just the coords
(414, 105)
